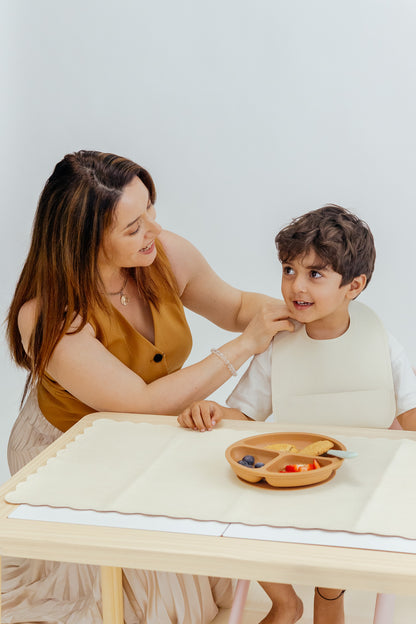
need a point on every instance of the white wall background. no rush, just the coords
(247, 113)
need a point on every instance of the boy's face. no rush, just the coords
(314, 296)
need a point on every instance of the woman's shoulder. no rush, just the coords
(183, 256)
(175, 244)
(26, 320)
(27, 317)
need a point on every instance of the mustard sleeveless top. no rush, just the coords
(173, 343)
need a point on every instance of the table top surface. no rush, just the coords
(306, 564)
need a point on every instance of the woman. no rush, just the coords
(97, 320)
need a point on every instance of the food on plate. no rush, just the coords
(282, 446)
(249, 462)
(301, 467)
(317, 448)
(274, 460)
(248, 459)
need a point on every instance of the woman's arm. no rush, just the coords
(205, 293)
(86, 369)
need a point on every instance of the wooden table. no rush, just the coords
(114, 548)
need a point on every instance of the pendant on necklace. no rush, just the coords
(124, 299)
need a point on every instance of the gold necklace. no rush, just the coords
(124, 298)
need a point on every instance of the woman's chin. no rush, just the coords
(146, 258)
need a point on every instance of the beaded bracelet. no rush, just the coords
(225, 360)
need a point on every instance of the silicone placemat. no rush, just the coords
(164, 470)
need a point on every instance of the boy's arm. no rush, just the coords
(404, 385)
(204, 415)
(407, 420)
(252, 394)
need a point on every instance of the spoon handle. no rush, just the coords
(342, 454)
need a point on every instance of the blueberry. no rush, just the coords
(259, 465)
(244, 463)
(249, 459)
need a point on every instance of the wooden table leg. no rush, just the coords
(112, 595)
(0, 590)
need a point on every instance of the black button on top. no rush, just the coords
(158, 357)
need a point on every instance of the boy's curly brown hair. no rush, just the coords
(338, 237)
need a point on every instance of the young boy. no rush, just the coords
(339, 366)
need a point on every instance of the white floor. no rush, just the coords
(359, 607)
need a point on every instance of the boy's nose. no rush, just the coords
(299, 284)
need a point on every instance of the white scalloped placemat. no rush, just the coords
(163, 470)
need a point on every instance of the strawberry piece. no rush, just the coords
(301, 467)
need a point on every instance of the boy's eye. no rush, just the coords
(315, 274)
(287, 270)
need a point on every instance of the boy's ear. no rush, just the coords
(356, 286)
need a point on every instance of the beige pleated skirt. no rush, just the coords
(49, 592)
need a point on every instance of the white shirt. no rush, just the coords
(253, 393)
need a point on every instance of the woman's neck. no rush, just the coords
(113, 279)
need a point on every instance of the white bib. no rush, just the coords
(343, 381)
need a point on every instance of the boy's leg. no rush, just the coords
(328, 606)
(287, 607)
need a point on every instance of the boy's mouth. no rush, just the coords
(302, 305)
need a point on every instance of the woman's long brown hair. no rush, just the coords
(60, 273)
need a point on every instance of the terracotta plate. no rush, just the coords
(276, 460)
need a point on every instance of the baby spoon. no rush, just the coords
(342, 454)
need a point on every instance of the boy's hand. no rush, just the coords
(201, 415)
(204, 415)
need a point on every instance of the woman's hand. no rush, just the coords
(273, 317)
(204, 415)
